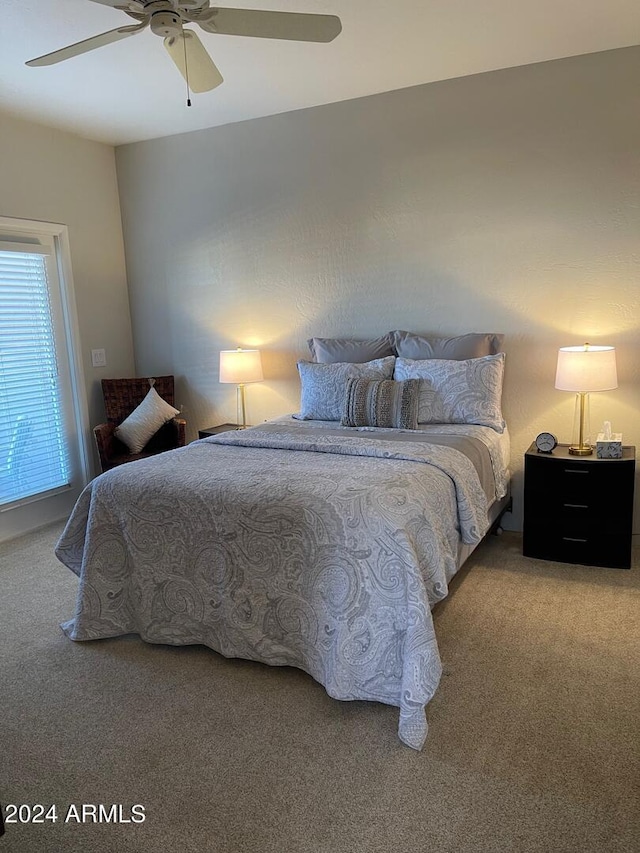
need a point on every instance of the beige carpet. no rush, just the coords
(534, 740)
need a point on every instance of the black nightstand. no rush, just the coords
(579, 509)
(214, 430)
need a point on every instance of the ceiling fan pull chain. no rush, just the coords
(186, 67)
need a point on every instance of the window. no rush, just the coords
(43, 461)
(31, 427)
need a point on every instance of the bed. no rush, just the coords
(295, 543)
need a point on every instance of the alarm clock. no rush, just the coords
(546, 442)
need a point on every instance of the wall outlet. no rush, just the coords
(98, 358)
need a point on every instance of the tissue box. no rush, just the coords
(609, 448)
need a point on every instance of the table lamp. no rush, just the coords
(240, 366)
(585, 369)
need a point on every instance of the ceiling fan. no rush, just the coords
(167, 18)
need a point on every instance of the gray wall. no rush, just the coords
(506, 202)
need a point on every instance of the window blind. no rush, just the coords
(33, 451)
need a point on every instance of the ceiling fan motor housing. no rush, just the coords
(166, 24)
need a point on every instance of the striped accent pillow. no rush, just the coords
(381, 403)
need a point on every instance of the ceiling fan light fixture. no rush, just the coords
(166, 24)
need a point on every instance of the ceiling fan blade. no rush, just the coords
(134, 5)
(87, 44)
(298, 26)
(198, 69)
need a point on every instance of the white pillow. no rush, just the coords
(145, 421)
(457, 392)
(325, 385)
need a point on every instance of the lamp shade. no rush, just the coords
(586, 368)
(239, 366)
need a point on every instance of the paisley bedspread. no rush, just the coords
(288, 546)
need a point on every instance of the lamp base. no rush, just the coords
(587, 450)
(581, 435)
(241, 407)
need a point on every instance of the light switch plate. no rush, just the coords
(98, 358)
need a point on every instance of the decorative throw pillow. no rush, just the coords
(381, 403)
(334, 350)
(473, 345)
(457, 392)
(145, 421)
(323, 385)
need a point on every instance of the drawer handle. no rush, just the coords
(572, 539)
(576, 471)
(577, 506)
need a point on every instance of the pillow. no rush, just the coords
(332, 350)
(457, 392)
(474, 345)
(381, 403)
(324, 385)
(145, 421)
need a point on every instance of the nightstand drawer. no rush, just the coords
(585, 547)
(577, 483)
(573, 518)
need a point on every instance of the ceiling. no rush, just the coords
(130, 90)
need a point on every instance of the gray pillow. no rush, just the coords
(324, 385)
(333, 350)
(381, 403)
(473, 345)
(457, 392)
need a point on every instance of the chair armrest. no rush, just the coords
(181, 431)
(105, 441)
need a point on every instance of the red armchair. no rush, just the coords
(121, 397)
